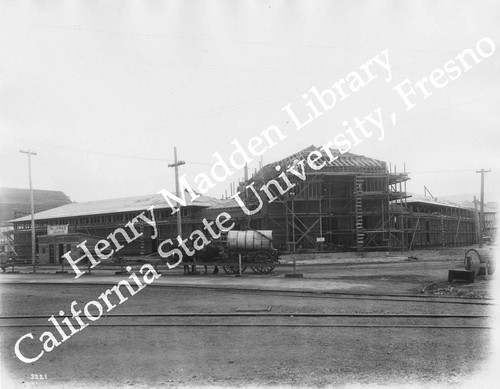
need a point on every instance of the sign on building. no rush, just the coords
(58, 230)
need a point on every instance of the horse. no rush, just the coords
(209, 253)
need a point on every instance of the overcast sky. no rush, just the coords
(103, 91)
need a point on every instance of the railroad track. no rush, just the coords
(344, 295)
(303, 294)
(267, 319)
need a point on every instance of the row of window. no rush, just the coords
(104, 219)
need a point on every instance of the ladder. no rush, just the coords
(142, 246)
(358, 198)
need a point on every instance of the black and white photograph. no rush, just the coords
(249, 194)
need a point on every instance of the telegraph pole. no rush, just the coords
(478, 219)
(29, 153)
(481, 220)
(176, 165)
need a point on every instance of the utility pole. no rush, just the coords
(176, 165)
(478, 219)
(481, 220)
(29, 153)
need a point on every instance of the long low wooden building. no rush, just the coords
(431, 223)
(56, 228)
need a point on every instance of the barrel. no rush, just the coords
(478, 259)
(250, 240)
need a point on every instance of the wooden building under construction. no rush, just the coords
(355, 203)
(346, 205)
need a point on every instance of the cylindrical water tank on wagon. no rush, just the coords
(250, 240)
(478, 259)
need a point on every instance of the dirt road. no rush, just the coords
(240, 351)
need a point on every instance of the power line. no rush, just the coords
(106, 154)
(442, 171)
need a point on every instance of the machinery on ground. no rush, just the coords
(481, 261)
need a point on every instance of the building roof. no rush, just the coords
(343, 160)
(346, 162)
(219, 206)
(120, 205)
(417, 198)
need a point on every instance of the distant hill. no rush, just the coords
(492, 205)
(459, 198)
(15, 202)
(467, 200)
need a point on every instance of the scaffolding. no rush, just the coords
(344, 206)
(431, 223)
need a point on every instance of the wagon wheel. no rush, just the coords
(233, 269)
(229, 269)
(264, 261)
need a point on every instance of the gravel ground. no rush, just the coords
(185, 356)
(256, 356)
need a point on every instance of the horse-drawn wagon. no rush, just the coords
(254, 249)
